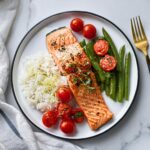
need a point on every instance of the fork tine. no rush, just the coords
(133, 32)
(139, 30)
(143, 32)
(136, 31)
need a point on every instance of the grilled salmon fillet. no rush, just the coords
(66, 50)
(91, 102)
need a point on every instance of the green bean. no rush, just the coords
(99, 70)
(113, 83)
(127, 74)
(113, 47)
(107, 86)
(110, 52)
(108, 74)
(83, 43)
(90, 52)
(97, 77)
(90, 46)
(102, 86)
(107, 81)
(93, 58)
(121, 76)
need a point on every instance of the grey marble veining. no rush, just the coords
(133, 132)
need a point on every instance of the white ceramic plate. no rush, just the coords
(34, 42)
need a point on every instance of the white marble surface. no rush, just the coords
(133, 132)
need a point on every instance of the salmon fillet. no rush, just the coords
(66, 50)
(91, 102)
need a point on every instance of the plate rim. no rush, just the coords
(54, 15)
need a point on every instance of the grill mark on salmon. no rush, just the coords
(62, 43)
(92, 103)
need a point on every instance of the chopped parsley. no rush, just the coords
(78, 115)
(84, 79)
(88, 81)
(71, 65)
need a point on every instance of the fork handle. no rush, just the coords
(148, 61)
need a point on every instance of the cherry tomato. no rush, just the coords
(108, 63)
(64, 94)
(76, 24)
(77, 115)
(67, 116)
(64, 110)
(67, 126)
(89, 31)
(101, 47)
(49, 118)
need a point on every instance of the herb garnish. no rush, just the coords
(88, 81)
(54, 43)
(71, 65)
(78, 115)
(84, 79)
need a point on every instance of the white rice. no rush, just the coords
(40, 81)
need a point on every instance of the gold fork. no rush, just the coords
(140, 38)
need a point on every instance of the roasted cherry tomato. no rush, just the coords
(67, 126)
(76, 24)
(49, 118)
(108, 63)
(64, 110)
(67, 116)
(64, 94)
(101, 47)
(77, 115)
(89, 31)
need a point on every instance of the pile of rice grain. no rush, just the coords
(40, 81)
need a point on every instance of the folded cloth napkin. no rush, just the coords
(15, 132)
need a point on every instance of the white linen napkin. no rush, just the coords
(15, 132)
